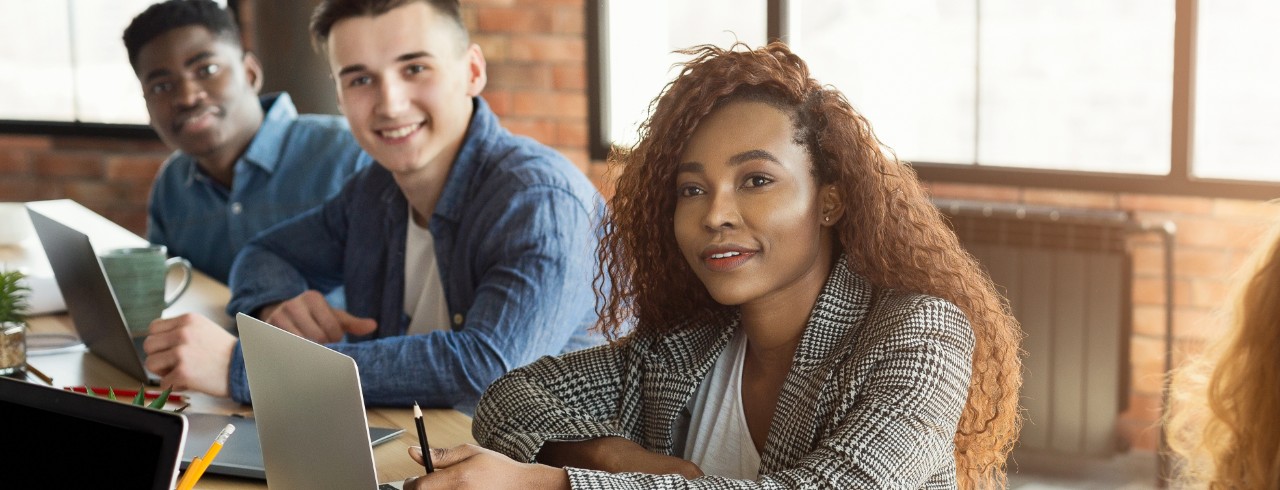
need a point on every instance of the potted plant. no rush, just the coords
(13, 323)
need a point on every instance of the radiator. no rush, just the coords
(1067, 276)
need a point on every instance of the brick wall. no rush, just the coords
(536, 56)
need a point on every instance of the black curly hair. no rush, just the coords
(172, 14)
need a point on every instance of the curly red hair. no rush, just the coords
(891, 232)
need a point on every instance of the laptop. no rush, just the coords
(309, 410)
(78, 441)
(87, 292)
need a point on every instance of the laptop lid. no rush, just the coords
(90, 300)
(77, 441)
(309, 411)
(242, 454)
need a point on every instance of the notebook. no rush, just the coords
(242, 454)
(77, 441)
(309, 411)
(85, 289)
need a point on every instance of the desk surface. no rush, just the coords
(208, 297)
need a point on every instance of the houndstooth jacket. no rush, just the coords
(872, 400)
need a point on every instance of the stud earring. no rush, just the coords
(827, 219)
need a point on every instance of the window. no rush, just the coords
(64, 62)
(1089, 94)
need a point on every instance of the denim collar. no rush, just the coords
(265, 147)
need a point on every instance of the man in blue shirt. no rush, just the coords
(241, 163)
(466, 252)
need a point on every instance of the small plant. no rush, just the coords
(13, 297)
(141, 398)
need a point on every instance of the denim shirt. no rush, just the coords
(293, 164)
(515, 230)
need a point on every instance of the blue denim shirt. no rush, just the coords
(293, 164)
(515, 231)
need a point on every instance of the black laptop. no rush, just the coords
(72, 440)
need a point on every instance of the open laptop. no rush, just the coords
(88, 294)
(309, 410)
(73, 440)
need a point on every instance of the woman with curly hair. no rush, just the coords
(1224, 423)
(788, 310)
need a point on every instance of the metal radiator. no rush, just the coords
(1067, 275)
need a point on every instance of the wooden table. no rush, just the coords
(208, 297)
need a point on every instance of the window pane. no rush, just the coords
(35, 61)
(106, 89)
(907, 65)
(642, 36)
(1237, 111)
(1076, 84)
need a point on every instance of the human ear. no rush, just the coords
(253, 71)
(832, 205)
(477, 76)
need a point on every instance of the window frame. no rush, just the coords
(1179, 180)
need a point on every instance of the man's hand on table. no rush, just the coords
(309, 316)
(190, 352)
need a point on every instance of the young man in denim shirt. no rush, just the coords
(242, 164)
(465, 252)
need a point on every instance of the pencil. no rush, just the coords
(422, 438)
(196, 470)
(43, 377)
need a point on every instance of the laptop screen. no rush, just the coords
(73, 440)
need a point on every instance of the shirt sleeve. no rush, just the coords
(535, 293)
(896, 432)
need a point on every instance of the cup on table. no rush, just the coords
(138, 276)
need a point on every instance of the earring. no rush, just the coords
(827, 219)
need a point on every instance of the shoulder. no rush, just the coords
(517, 164)
(313, 131)
(900, 315)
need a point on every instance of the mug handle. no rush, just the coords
(186, 277)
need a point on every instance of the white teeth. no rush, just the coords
(399, 133)
(725, 255)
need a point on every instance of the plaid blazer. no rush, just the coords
(872, 399)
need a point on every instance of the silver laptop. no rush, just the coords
(70, 440)
(88, 295)
(309, 411)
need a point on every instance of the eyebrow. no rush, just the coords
(399, 59)
(738, 159)
(160, 72)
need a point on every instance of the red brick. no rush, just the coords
(1219, 233)
(571, 133)
(94, 193)
(469, 21)
(1148, 291)
(1200, 263)
(19, 189)
(24, 142)
(521, 75)
(1262, 211)
(548, 49)
(1203, 293)
(1140, 434)
(1196, 323)
(15, 162)
(494, 46)
(974, 192)
(133, 218)
(100, 144)
(64, 164)
(1149, 320)
(1147, 358)
(568, 21)
(1069, 199)
(547, 3)
(1148, 261)
(133, 168)
(604, 178)
(549, 104)
(1165, 204)
(512, 20)
(577, 155)
(499, 101)
(539, 129)
(569, 76)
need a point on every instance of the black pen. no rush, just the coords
(422, 438)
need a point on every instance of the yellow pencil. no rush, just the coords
(196, 469)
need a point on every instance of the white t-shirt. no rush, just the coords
(719, 441)
(423, 292)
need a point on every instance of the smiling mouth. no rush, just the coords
(726, 261)
(400, 132)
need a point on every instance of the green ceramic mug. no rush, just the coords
(137, 276)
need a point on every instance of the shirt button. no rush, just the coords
(457, 318)
(236, 208)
